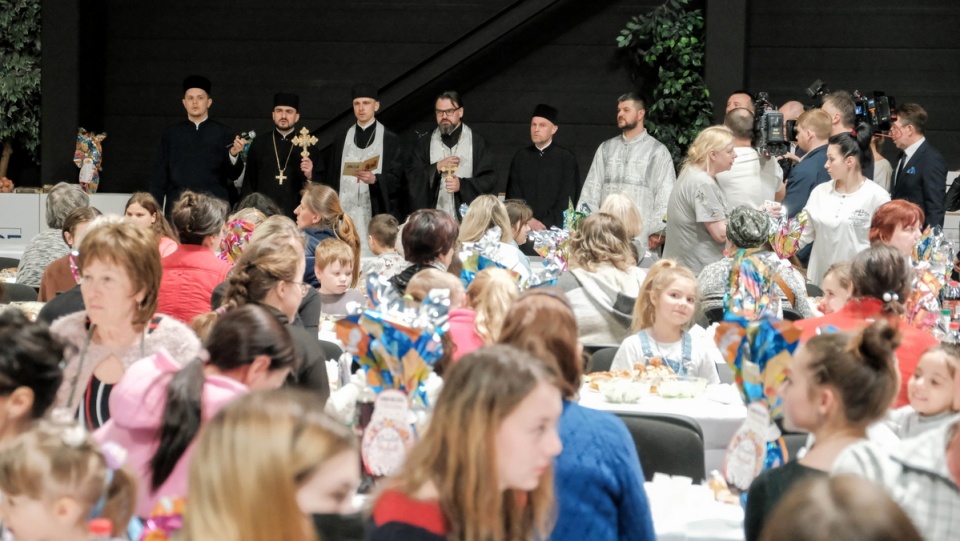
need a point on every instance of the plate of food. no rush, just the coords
(683, 387)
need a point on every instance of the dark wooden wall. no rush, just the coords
(910, 50)
(116, 66)
(252, 48)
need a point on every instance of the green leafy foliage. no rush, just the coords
(665, 50)
(20, 73)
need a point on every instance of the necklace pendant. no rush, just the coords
(281, 177)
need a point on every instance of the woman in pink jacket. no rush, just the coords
(159, 407)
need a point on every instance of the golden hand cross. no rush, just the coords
(305, 141)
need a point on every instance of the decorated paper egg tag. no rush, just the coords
(388, 436)
(746, 452)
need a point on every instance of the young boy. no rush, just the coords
(382, 238)
(334, 268)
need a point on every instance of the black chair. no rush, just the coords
(813, 290)
(667, 443)
(601, 360)
(794, 442)
(9, 263)
(330, 350)
(18, 293)
(789, 314)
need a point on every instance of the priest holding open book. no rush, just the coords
(365, 165)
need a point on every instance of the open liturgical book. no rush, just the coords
(351, 169)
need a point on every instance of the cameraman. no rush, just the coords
(753, 178)
(813, 131)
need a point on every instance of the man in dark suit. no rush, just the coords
(921, 172)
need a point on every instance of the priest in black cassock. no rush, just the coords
(196, 154)
(544, 174)
(375, 188)
(452, 165)
(274, 165)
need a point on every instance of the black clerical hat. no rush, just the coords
(545, 111)
(286, 99)
(197, 81)
(365, 90)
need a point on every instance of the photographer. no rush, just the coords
(753, 178)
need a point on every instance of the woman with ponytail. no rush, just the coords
(321, 217)
(882, 281)
(840, 211)
(160, 407)
(838, 384)
(192, 272)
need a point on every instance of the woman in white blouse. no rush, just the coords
(840, 211)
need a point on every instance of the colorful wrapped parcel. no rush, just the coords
(758, 352)
(785, 234)
(88, 157)
(932, 260)
(395, 345)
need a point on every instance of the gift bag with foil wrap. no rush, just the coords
(758, 352)
(932, 260)
(485, 254)
(88, 157)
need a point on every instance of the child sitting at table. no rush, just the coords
(478, 322)
(661, 316)
(930, 390)
(837, 288)
(337, 276)
(382, 237)
(837, 385)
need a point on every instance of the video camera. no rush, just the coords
(771, 135)
(880, 111)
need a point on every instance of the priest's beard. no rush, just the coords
(447, 129)
(627, 127)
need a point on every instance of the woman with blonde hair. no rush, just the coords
(697, 209)
(621, 206)
(143, 209)
(488, 298)
(484, 469)
(486, 212)
(265, 462)
(321, 217)
(603, 281)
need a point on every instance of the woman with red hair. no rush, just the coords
(897, 224)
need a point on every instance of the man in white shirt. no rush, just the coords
(753, 178)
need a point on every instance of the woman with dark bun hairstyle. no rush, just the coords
(429, 241)
(191, 273)
(882, 281)
(838, 384)
(841, 210)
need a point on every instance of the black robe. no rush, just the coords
(546, 180)
(261, 172)
(386, 194)
(425, 183)
(195, 158)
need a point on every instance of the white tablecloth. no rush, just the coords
(693, 513)
(718, 421)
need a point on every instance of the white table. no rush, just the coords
(718, 421)
(693, 514)
(24, 215)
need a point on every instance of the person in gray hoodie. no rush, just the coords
(603, 281)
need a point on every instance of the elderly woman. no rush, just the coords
(747, 229)
(603, 281)
(429, 241)
(58, 276)
(898, 224)
(49, 245)
(697, 209)
(192, 272)
(485, 213)
(119, 267)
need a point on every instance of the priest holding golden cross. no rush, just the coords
(270, 163)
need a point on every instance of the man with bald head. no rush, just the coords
(753, 178)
